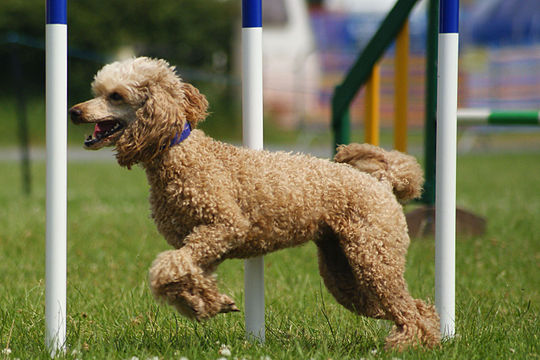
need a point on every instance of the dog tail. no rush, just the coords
(400, 170)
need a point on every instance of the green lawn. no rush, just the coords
(112, 242)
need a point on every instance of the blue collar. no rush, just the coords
(183, 136)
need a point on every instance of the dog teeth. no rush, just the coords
(116, 127)
(92, 139)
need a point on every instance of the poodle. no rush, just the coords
(213, 201)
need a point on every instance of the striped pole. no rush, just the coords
(252, 126)
(445, 178)
(497, 117)
(56, 138)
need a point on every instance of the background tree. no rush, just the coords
(188, 33)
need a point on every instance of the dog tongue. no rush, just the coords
(102, 127)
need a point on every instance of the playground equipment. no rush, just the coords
(401, 79)
(361, 71)
(372, 103)
(371, 124)
(56, 137)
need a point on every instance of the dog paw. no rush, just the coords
(197, 303)
(185, 303)
(227, 305)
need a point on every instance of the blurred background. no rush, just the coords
(308, 47)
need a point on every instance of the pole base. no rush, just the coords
(421, 222)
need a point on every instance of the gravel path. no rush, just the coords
(78, 154)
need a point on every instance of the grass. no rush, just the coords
(112, 242)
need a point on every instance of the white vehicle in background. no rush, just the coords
(291, 67)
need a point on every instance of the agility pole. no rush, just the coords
(252, 126)
(56, 138)
(445, 179)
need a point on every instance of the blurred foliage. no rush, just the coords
(315, 2)
(196, 34)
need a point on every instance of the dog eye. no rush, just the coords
(115, 96)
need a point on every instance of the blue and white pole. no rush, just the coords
(252, 126)
(56, 138)
(445, 196)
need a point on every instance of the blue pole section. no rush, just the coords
(251, 14)
(449, 17)
(57, 12)
(56, 208)
(445, 179)
(252, 125)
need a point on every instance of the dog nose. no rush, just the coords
(76, 115)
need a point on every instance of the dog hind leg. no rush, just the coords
(340, 280)
(376, 258)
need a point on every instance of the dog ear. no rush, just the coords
(194, 104)
(158, 121)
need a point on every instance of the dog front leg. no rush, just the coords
(183, 278)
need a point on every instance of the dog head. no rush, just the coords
(139, 106)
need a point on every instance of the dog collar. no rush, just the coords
(183, 136)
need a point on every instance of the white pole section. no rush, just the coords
(252, 125)
(445, 196)
(56, 138)
(473, 116)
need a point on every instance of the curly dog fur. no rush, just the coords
(213, 201)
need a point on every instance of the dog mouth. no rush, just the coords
(105, 133)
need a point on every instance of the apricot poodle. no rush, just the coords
(213, 201)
